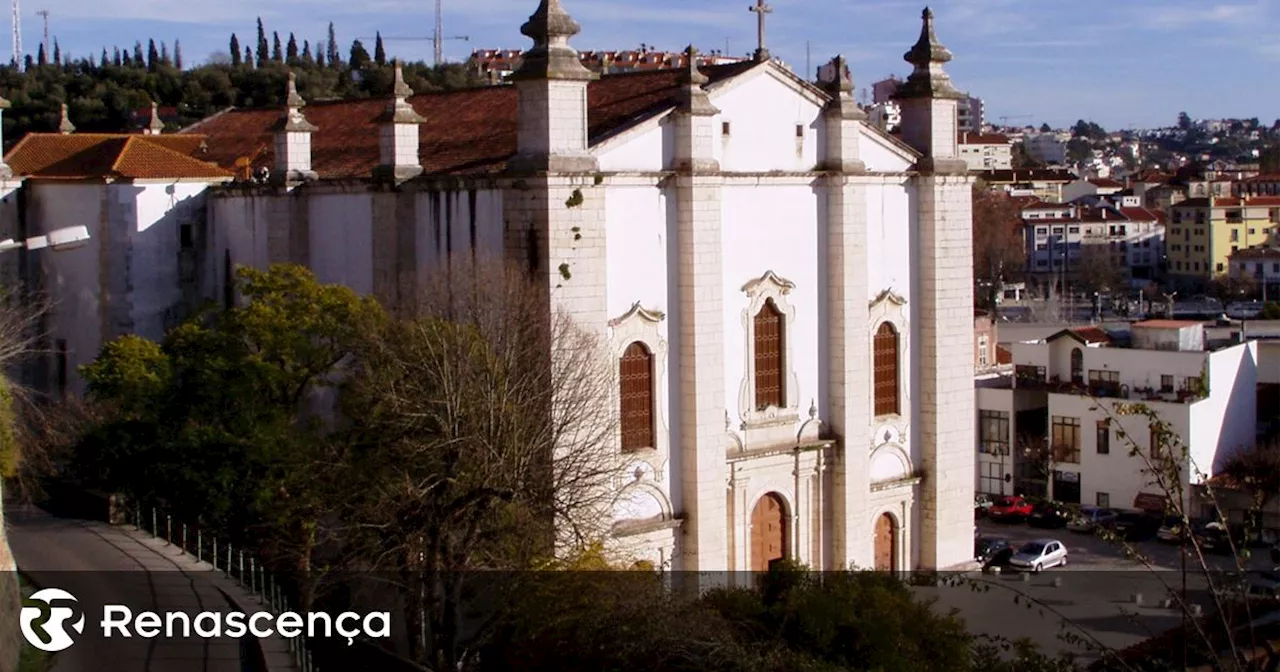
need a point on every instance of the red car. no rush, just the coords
(1010, 508)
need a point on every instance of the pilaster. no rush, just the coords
(850, 367)
(943, 341)
(293, 139)
(702, 396)
(398, 135)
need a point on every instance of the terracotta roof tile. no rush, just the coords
(1140, 214)
(467, 131)
(1167, 324)
(967, 138)
(1229, 202)
(1106, 183)
(1256, 253)
(1003, 355)
(1086, 335)
(79, 156)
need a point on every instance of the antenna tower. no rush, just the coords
(44, 14)
(17, 36)
(438, 38)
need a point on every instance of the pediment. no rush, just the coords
(890, 296)
(772, 280)
(637, 310)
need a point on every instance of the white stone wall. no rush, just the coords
(552, 117)
(764, 110)
(293, 152)
(398, 144)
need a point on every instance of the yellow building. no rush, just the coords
(1204, 232)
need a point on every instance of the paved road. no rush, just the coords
(1093, 596)
(100, 564)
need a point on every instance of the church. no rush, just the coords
(787, 292)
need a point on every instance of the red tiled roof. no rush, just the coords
(1003, 355)
(1087, 335)
(1266, 178)
(1256, 253)
(467, 131)
(1106, 183)
(1166, 324)
(1140, 214)
(967, 138)
(1229, 202)
(79, 156)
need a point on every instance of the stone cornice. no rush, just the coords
(637, 310)
(784, 286)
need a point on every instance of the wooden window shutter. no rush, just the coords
(886, 370)
(636, 390)
(770, 341)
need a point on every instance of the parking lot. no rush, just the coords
(1101, 596)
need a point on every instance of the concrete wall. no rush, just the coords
(1138, 368)
(763, 112)
(1226, 421)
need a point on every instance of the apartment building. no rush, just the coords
(1098, 186)
(988, 357)
(1053, 428)
(885, 116)
(1060, 235)
(500, 63)
(986, 151)
(1047, 148)
(1262, 264)
(1042, 183)
(1258, 185)
(1205, 232)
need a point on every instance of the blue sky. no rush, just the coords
(1118, 62)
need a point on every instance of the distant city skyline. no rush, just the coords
(1117, 64)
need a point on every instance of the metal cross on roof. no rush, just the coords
(760, 9)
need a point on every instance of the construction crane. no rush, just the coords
(437, 38)
(17, 37)
(1007, 117)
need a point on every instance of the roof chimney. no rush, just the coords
(399, 135)
(66, 127)
(293, 137)
(156, 127)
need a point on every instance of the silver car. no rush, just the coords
(1039, 555)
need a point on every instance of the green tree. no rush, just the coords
(277, 51)
(291, 51)
(1045, 128)
(331, 49)
(379, 51)
(999, 252)
(359, 56)
(262, 44)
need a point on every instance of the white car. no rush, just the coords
(1039, 555)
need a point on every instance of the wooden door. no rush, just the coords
(768, 532)
(886, 544)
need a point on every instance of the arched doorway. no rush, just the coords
(768, 532)
(886, 543)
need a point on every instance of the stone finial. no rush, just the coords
(840, 87)
(399, 110)
(841, 81)
(294, 121)
(693, 98)
(928, 80)
(65, 127)
(551, 57)
(156, 127)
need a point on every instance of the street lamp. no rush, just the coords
(58, 239)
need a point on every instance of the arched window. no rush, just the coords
(886, 370)
(636, 387)
(1077, 366)
(770, 342)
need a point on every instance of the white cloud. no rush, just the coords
(1169, 17)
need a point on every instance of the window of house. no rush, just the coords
(799, 131)
(724, 128)
(1077, 365)
(1155, 444)
(1253, 232)
(1104, 500)
(635, 383)
(1073, 229)
(982, 350)
(993, 432)
(1066, 440)
(1275, 268)
(769, 346)
(1104, 382)
(184, 237)
(1235, 235)
(886, 370)
(1104, 437)
(1057, 229)
(1029, 375)
(1166, 383)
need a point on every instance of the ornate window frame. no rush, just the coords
(640, 324)
(770, 425)
(891, 307)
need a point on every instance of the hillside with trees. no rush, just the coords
(113, 91)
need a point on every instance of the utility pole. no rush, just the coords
(17, 37)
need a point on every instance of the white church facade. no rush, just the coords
(786, 290)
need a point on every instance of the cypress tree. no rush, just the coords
(331, 49)
(164, 53)
(57, 52)
(306, 51)
(103, 62)
(40, 57)
(177, 54)
(291, 50)
(248, 56)
(379, 52)
(115, 58)
(138, 59)
(277, 52)
(262, 44)
(235, 51)
(153, 55)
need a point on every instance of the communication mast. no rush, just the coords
(44, 14)
(17, 37)
(438, 36)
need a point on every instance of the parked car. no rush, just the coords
(1050, 515)
(980, 505)
(1010, 508)
(1089, 518)
(1134, 525)
(1173, 530)
(1039, 555)
(992, 551)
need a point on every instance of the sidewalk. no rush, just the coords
(104, 564)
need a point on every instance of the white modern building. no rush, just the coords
(885, 116)
(986, 151)
(1053, 428)
(1060, 236)
(776, 277)
(1047, 148)
(1262, 264)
